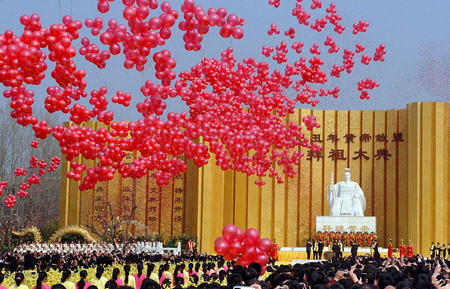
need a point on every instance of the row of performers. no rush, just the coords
(439, 250)
(363, 239)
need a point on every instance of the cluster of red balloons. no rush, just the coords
(273, 29)
(92, 53)
(217, 115)
(275, 3)
(330, 42)
(297, 46)
(10, 201)
(20, 172)
(334, 18)
(319, 24)
(379, 53)
(33, 179)
(282, 51)
(316, 4)
(164, 63)
(122, 98)
(367, 84)
(315, 49)
(365, 59)
(249, 246)
(267, 50)
(95, 24)
(197, 23)
(359, 48)
(3, 185)
(301, 14)
(310, 122)
(361, 26)
(290, 32)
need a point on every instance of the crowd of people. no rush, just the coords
(196, 271)
(79, 269)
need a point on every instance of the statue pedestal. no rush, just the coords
(346, 224)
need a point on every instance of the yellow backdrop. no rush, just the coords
(399, 157)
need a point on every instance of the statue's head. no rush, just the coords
(347, 175)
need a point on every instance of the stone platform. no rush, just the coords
(346, 224)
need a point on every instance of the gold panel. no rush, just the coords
(402, 181)
(228, 210)
(318, 192)
(304, 199)
(427, 192)
(354, 145)
(178, 203)
(379, 187)
(438, 165)
(266, 208)
(153, 204)
(342, 134)
(87, 196)
(328, 125)
(414, 171)
(280, 205)
(291, 198)
(192, 199)
(240, 204)
(166, 209)
(367, 176)
(253, 203)
(217, 202)
(391, 178)
(207, 210)
(141, 214)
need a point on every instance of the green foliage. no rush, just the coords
(67, 238)
(49, 229)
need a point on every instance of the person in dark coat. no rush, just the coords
(308, 248)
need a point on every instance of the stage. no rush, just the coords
(289, 254)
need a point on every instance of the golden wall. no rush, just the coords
(399, 157)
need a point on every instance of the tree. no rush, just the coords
(113, 223)
(42, 204)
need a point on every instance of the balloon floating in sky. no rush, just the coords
(237, 108)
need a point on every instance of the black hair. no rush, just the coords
(58, 286)
(150, 284)
(234, 279)
(65, 275)
(193, 279)
(150, 268)
(19, 278)
(126, 269)
(41, 276)
(160, 271)
(81, 283)
(140, 267)
(99, 272)
(315, 277)
(115, 274)
(111, 285)
(1, 278)
(249, 274)
(179, 281)
(92, 287)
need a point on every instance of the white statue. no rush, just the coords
(346, 198)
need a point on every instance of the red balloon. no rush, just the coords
(242, 262)
(252, 236)
(265, 245)
(221, 247)
(229, 232)
(229, 256)
(261, 258)
(240, 235)
(249, 253)
(236, 248)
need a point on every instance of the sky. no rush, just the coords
(415, 33)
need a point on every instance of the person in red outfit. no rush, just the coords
(409, 251)
(402, 249)
(390, 249)
(274, 251)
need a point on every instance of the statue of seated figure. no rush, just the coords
(346, 198)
